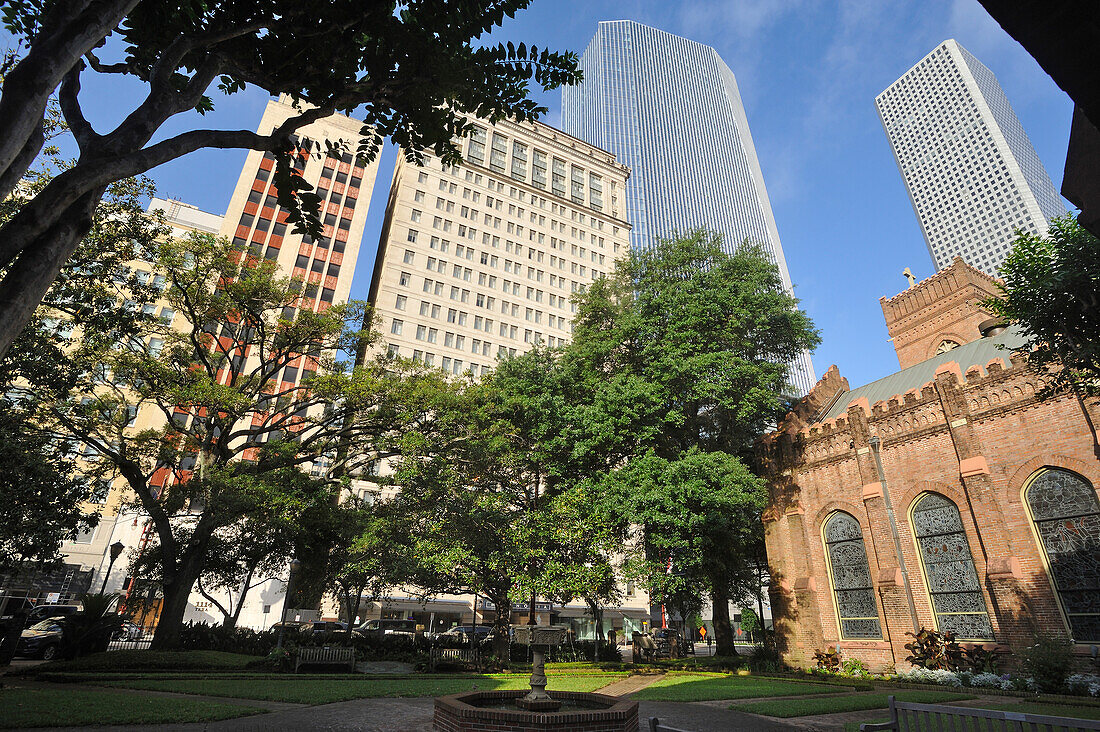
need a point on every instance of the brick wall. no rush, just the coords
(976, 438)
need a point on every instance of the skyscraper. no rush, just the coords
(971, 172)
(670, 110)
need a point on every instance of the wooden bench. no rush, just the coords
(656, 726)
(325, 657)
(909, 717)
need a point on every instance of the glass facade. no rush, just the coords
(669, 109)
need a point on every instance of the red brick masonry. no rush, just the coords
(454, 714)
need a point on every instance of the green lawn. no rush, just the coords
(1051, 710)
(847, 703)
(686, 687)
(324, 691)
(85, 707)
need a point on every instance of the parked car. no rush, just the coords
(293, 626)
(461, 633)
(42, 640)
(321, 627)
(43, 611)
(388, 626)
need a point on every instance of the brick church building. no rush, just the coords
(947, 495)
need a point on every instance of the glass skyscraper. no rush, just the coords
(971, 171)
(669, 108)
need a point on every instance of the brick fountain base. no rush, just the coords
(495, 711)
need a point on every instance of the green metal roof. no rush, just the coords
(975, 353)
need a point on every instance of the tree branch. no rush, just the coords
(68, 97)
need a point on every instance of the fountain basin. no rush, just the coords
(481, 711)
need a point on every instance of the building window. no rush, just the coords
(475, 151)
(949, 572)
(1066, 513)
(850, 575)
(499, 153)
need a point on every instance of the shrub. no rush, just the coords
(1048, 661)
(920, 675)
(766, 659)
(1085, 684)
(981, 660)
(854, 667)
(933, 650)
(828, 660)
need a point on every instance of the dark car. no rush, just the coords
(42, 640)
(321, 627)
(41, 612)
(292, 626)
(388, 626)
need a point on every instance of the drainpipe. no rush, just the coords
(875, 444)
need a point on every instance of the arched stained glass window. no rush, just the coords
(1066, 513)
(851, 577)
(949, 571)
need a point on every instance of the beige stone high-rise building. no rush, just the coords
(481, 259)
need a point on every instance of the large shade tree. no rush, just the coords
(230, 383)
(410, 70)
(686, 352)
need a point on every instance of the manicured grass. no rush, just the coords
(847, 703)
(324, 691)
(149, 661)
(1026, 707)
(85, 707)
(687, 687)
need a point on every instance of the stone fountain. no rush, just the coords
(535, 710)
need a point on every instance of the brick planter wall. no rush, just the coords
(455, 714)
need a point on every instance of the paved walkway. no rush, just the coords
(630, 684)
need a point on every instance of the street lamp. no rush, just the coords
(116, 551)
(295, 565)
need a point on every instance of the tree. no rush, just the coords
(238, 382)
(42, 496)
(370, 555)
(258, 547)
(412, 70)
(1051, 289)
(685, 353)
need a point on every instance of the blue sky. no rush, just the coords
(808, 72)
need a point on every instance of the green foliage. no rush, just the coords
(1049, 661)
(980, 659)
(828, 660)
(41, 493)
(749, 621)
(1050, 290)
(853, 667)
(144, 660)
(934, 650)
(766, 658)
(688, 687)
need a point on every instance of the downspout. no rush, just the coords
(875, 445)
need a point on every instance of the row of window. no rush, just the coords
(1065, 512)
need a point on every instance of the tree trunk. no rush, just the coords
(502, 626)
(177, 592)
(720, 617)
(35, 268)
(597, 619)
(245, 587)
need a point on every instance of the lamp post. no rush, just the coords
(295, 565)
(116, 551)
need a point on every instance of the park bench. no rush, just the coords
(325, 657)
(905, 716)
(656, 726)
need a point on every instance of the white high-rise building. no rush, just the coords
(972, 174)
(669, 109)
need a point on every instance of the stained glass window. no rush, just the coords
(1067, 518)
(949, 569)
(851, 575)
